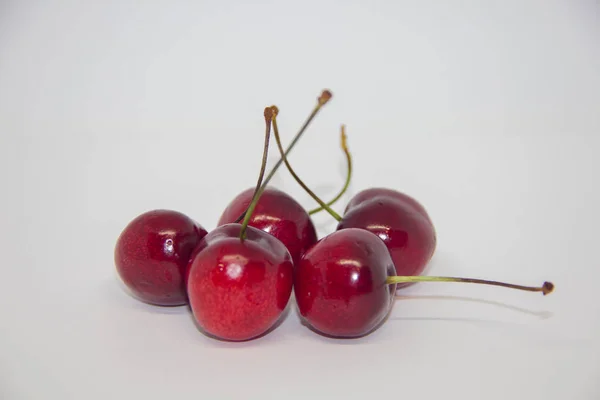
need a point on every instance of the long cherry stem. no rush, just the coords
(321, 101)
(257, 191)
(344, 145)
(291, 170)
(546, 288)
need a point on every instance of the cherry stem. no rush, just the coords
(546, 288)
(290, 169)
(257, 191)
(344, 145)
(321, 101)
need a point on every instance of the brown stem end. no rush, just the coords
(268, 114)
(547, 288)
(325, 96)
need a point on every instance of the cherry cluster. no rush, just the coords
(238, 279)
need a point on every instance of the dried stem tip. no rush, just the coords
(547, 288)
(325, 97)
(344, 138)
(268, 114)
(274, 111)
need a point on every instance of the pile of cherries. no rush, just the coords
(238, 278)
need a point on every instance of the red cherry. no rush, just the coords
(400, 221)
(278, 214)
(340, 284)
(237, 288)
(152, 253)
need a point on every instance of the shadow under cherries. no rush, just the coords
(538, 314)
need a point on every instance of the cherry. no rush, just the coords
(340, 283)
(400, 221)
(240, 278)
(239, 289)
(278, 214)
(344, 285)
(151, 255)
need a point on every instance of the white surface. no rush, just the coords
(487, 112)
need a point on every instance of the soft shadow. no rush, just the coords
(156, 309)
(457, 319)
(538, 314)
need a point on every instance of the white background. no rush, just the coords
(487, 112)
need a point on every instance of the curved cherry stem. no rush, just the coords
(257, 191)
(321, 101)
(344, 145)
(546, 288)
(291, 170)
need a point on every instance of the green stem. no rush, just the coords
(546, 288)
(296, 177)
(344, 145)
(257, 191)
(321, 101)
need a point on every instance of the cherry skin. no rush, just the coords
(340, 284)
(369, 194)
(278, 214)
(152, 253)
(400, 221)
(239, 289)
